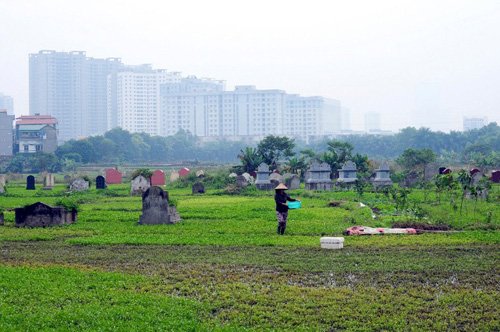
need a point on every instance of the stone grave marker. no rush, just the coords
(292, 181)
(249, 178)
(43, 215)
(318, 177)
(48, 181)
(241, 181)
(233, 175)
(198, 188)
(262, 182)
(347, 174)
(200, 173)
(2, 183)
(100, 182)
(158, 178)
(276, 176)
(30, 182)
(382, 176)
(495, 176)
(174, 176)
(155, 208)
(79, 185)
(139, 185)
(113, 176)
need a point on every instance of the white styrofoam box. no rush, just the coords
(332, 242)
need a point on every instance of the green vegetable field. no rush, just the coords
(223, 267)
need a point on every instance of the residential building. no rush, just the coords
(36, 133)
(6, 133)
(7, 103)
(372, 122)
(474, 123)
(134, 98)
(72, 88)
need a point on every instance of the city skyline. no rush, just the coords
(422, 63)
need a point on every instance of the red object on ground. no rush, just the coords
(362, 230)
(474, 171)
(158, 178)
(113, 176)
(184, 171)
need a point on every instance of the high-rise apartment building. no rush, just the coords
(372, 122)
(134, 98)
(7, 103)
(474, 123)
(72, 88)
(6, 133)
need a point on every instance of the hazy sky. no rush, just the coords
(425, 62)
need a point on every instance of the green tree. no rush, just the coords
(416, 160)
(274, 148)
(250, 159)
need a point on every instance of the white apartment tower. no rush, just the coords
(134, 98)
(7, 103)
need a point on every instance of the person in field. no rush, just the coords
(281, 198)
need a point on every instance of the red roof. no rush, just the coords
(36, 119)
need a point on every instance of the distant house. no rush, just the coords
(35, 133)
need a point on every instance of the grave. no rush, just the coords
(100, 182)
(249, 178)
(184, 171)
(113, 176)
(158, 178)
(495, 176)
(276, 176)
(241, 181)
(233, 175)
(476, 177)
(43, 215)
(30, 182)
(2, 183)
(174, 176)
(441, 170)
(318, 177)
(382, 176)
(332, 242)
(292, 181)
(155, 209)
(139, 185)
(2, 219)
(200, 173)
(79, 185)
(198, 188)
(48, 181)
(347, 174)
(262, 182)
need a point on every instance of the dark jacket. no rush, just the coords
(281, 199)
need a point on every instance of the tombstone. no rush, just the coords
(476, 177)
(292, 181)
(276, 176)
(30, 182)
(347, 174)
(113, 176)
(2, 219)
(319, 177)
(249, 178)
(262, 182)
(474, 171)
(495, 176)
(2, 184)
(233, 175)
(100, 182)
(198, 188)
(447, 171)
(139, 185)
(79, 185)
(441, 170)
(382, 176)
(174, 176)
(241, 181)
(48, 181)
(43, 215)
(155, 209)
(158, 178)
(184, 171)
(200, 173)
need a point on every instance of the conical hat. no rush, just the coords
(281, 186)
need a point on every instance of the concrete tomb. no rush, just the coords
(249, 178)
(382, 176)
(100, 182)
(241, 181)
(43, 215)
(318, 177)
(347, 174)
(198, 188)
(113, 176)
(155, 208)
(495, 176)
(79, 185)
(262, 182)
(2, 183)
(184, 171)
(158, 178)
(174, 176)
(292, 181)
(30, 182)
(332, 242)
(276, 176)
(200, 173)
(48, 181)
(139, 185)
(233, 175)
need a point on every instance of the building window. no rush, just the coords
(26, 147)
